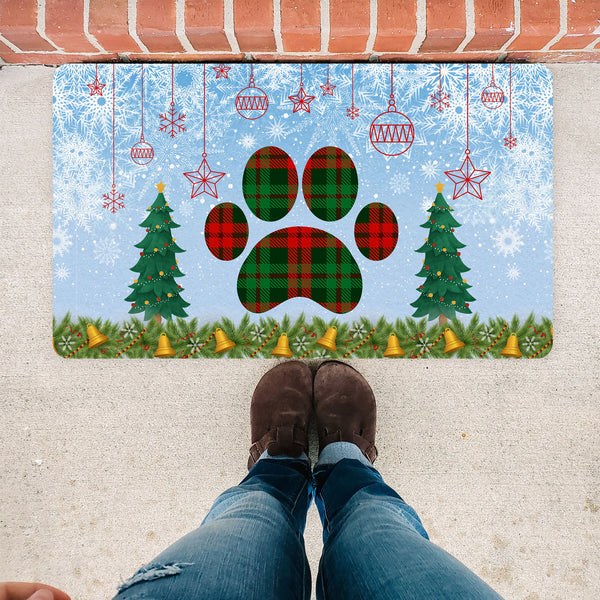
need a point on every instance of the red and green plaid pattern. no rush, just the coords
(226, 231)
(376, 231)
(300, 262)
(270, 183)
(330, 183)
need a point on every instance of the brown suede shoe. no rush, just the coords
(344, 407)
(280, 411)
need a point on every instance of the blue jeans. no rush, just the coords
(250, 546)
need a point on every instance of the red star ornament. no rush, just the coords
(221, 71)
(301, 100)
(328, 89)
(96, 87)
(204, 180)
(467, 179)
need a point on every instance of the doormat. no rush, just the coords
(302, 211)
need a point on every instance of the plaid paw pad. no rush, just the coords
(376, 231)
(226, 231)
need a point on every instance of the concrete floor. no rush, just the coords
(104, 463)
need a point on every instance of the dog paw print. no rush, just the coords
(300, 262)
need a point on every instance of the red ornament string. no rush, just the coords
(113, 126)
(172, 86)
(509, 98)
(467, 151)
(142, 136)
(440, 79)
(352, 112)
(204, 113)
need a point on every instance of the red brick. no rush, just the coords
(349, 25)
(396, 25)
(494, 25)
(446, 26)
(253, 24)
(583, 19)
(443, 57)
(332, 58)
(64, 25)
(205, 25)
(156, 22)
(540, 22)
(108, 24)
(301, 25)
(56, 58)
(18, 21)
(189, 57)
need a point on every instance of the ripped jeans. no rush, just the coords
(250, 546)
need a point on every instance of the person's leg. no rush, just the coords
(250, 546)
(375, 546)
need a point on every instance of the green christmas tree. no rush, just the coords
(444, 291)
(155, 291)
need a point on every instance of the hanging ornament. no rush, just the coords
(142, 153)
(327, 87)
(392, 132)
(251, 102)
(204, 180)
(467, 179)
(352, 112)
(96, 87)
(492, 96)
(172, 122)
(510, 142)
(113, 201)
(439, 99)
(301, 100)
(222, 71)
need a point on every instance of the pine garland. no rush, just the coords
(494, 342)
(132, 343)
(265, 342)
(363, 342)
(428, 347)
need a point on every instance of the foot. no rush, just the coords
(344, 407)
(280, 411)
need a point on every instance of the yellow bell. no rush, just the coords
(328, 340)
(283, 347)
(164, 349)
(223, 342)
(393, 349)
(512, 347)
(96, 338)
(452, 342)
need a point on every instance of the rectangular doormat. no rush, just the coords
(302, 210)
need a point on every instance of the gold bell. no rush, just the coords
(283, 347)
(328, 340)
(393, 349)
(164, 347)
(512, 347)
(223, 342)
(452, 342)
(96, 338)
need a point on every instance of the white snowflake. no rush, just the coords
(66, 342)
(107, 251)
(508, 241)
(247, 141)
(258, 333)
(194, 344)
(399, 182)
(61, 241)
(277, 130)
(487, 333)
(300, 343)
(322, 353)
(186, 208)
(530, 343)
(423, 343)
(430, 169)
(61, 272)
(128, 330)
(512, 272)
(79, 201)
(357, 331)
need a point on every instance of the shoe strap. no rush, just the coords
(365, 446)
(291, 440)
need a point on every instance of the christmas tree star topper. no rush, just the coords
(439, 186)
(160, 187)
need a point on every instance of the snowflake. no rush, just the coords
(258, 333)
(513, 272)
(194, 345)
(247, 141)
(300, 343)
(61, 272)
(186, 208)
(423, 343)
(357, 331)
(172, 121)
(128, 330)
(426, 203)
(61, 241)
(113, 200)
(487, 333)
(322, 353)
(399, 182)
(430, 169)
(107, 251)
(530, 343)
(277, 131)
(66, 342)
(508, 241)
(439, 100)
(352, 112)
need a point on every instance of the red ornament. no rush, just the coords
(96, 87)
(450, 277)
(204, 180)
(142, 153)
(441, 299)
(147, 230)
(166, 220)
(222, 71)
(420, 287)
(173, 268)
(141, 254)
(251, 102)
(427, 268)
(433, 221)
(301, 100)
(149, 277)
(166, 244)
(178, 287)
(453, 230)
(458, 254)
(466, 304)
(433, 245)
(133, 304)
(492, 96)
(172, 121)
(157, 299)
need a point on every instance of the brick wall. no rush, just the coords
(60, 31)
